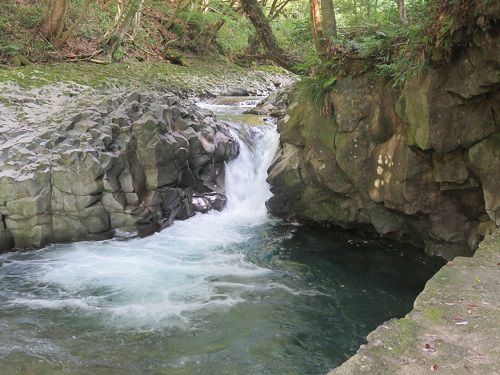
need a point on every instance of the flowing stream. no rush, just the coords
(231, 292)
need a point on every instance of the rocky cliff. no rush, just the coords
(76, 167)
(420, 164)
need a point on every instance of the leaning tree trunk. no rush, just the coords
(402, 12)
(53, 22)
(121, 28)
(328, 19)
(254, 45)
(65, 36)
(317, 29)
(255, 14)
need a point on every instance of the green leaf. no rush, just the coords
(330, 82)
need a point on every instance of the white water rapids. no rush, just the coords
(159, 280)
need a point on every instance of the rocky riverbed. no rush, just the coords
(89, 163)
(93, 160)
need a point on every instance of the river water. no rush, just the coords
(232, 292)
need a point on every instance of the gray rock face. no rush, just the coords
(273, 105)
(420, 164)
(129, 165)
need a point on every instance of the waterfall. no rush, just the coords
(246, 186)
(161, 280)
(230, 292)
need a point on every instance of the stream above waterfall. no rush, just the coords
(231, 292)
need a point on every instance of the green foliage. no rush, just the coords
(318, 90)
(179, 30)
(397, 52)
(353, 14)
(31, 17)
(294, 35)
(119, 54)
(232, 38)
(4, 22)
(197, 30)
(369, 35)
(11, 49)
(300, 31)
(310, 63)
(450, 25)
(398, 71)
(319, 86)
(97, 19)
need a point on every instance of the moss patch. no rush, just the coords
(200, 75)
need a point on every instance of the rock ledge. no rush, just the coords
(453, 329)
(73, 170)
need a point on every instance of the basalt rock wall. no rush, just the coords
(420, 164)
(128, 165)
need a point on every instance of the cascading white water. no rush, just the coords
(160, 280)
(246, 186)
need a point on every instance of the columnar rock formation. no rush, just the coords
(420, 164)
(128, 165)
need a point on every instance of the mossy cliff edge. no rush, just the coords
(420, 163)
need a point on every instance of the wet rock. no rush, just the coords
(208, 201)
(273, 105)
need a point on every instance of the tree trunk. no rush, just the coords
(255, 14)
(118, 16)
(328, 19)
(179, 7)
(120, 29)
(53, 22)
(317, 29)
(65, 36)
(402, 12)
(136, 23)
(254, 44)
(205, 4)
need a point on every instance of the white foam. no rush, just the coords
(162, 280)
